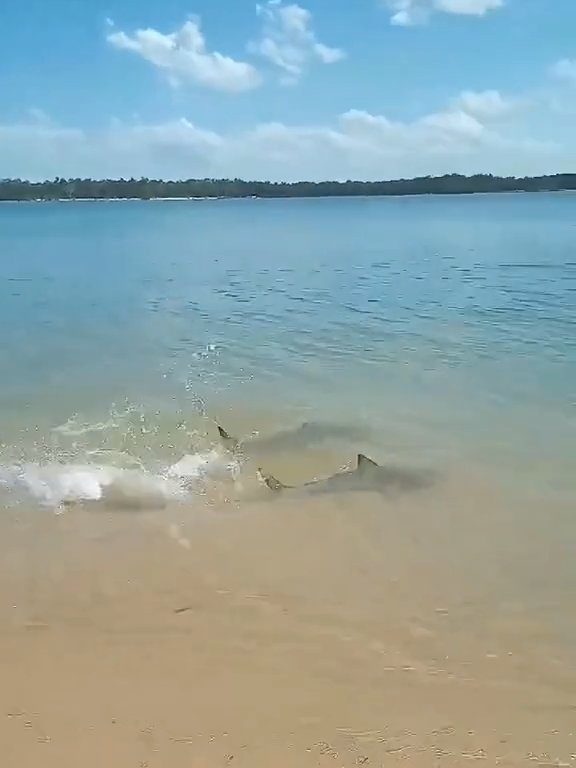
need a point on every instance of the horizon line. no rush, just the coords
(237, 180)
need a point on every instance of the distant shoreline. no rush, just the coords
(270, 197)
(95, 190)
(120, 199)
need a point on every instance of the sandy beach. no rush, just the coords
(342, 631)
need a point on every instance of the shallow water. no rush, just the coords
(437, 330)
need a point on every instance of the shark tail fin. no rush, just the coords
(231, 443)
(365, 463)
(271, 481)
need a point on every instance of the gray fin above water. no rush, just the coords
(271, 481)
(365, 463)
(229, 442)
(222, 432)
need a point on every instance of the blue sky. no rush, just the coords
(287, 90)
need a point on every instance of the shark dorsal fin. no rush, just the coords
(364, 462)
(231, 443)
(271, 481)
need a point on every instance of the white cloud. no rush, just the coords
(437, 133)
(565, 69)
(484, 104)
(288, 40)
(468, 7)
(37, 149)
(458, 126)
(464, 137)
(410, 12)
(406, 13)
(184, 58)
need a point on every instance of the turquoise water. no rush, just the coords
(437, 330)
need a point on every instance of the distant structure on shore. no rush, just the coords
(151, 189)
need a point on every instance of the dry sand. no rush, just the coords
(339, 632)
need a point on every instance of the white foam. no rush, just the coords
(55, 485)
(202, 465)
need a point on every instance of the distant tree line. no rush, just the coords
(146, 189)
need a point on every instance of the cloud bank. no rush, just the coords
(471, 134)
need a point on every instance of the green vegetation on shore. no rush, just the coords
(145, 189)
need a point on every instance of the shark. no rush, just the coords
(366, 476)
(231, 444)
(304, 436)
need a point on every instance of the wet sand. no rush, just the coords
(337, 631)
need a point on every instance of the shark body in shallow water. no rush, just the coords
(307, 435)
(367, 476)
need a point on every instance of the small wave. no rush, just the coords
(58, 485)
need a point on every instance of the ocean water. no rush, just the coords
(428, 330)
(437, 335)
